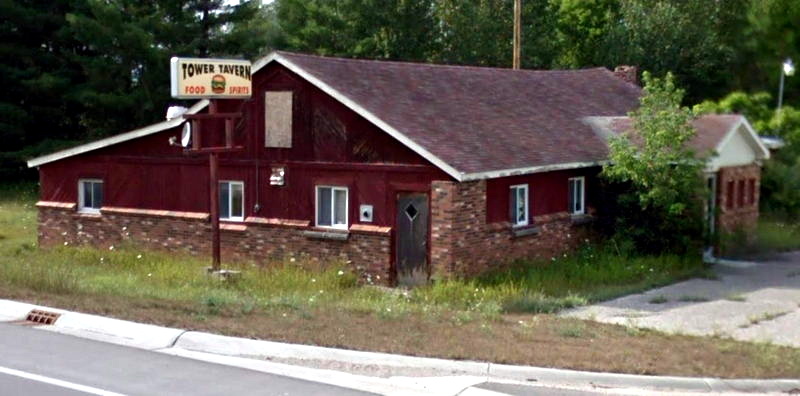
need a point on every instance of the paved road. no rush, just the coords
(751, 301)
(36, 362)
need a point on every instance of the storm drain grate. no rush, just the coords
(42, 317)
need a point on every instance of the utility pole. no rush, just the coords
(517, 33)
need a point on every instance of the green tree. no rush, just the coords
(37, 101)
(395, 29)
(683, 37)
(127, 45)
(661, 210)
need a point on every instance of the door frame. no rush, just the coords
(393, 194)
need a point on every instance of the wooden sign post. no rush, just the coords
(212, 79)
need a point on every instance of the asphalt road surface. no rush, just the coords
(36, 363)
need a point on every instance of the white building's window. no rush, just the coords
(577, 195)
(518, 205)
(231, 200)
(90, 195)
(332, 207)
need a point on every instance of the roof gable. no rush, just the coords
(728, 138)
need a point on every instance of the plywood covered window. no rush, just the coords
(518, 205)
(332, 207)
(741, 194)
(90, 195)
(231, 200)
(729, 194)
(278, 119)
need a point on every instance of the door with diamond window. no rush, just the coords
(411, 243)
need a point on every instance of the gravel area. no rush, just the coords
(750, 301)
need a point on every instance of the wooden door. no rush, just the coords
(411, 239)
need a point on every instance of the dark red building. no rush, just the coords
(404, 170)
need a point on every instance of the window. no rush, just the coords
(740, 195)
(332, 207)
(90, 195)
(752, 190)
(577, 195)
(518, 205)
(231, 200)
(278, 119)
(730, 195)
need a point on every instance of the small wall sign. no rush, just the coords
(195, 78)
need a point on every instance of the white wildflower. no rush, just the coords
(150, 274)
(313, 280)
(138, 256)
(66, 243)
(291, 260)
(111, 247)
(340, 273)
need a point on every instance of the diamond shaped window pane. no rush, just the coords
(411, 212)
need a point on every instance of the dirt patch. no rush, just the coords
(539, 340)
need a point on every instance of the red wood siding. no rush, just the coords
(330, 145)
(548, 192)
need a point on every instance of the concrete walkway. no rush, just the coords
(751, 301)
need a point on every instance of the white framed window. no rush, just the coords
(577, 195)
(231, 200)
(90, 195)
(332, 207)
(518, 205)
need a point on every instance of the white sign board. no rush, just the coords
(194, 78)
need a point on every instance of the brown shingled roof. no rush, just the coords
(478, 119)
(711, 129)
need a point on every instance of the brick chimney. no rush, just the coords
(627, 73)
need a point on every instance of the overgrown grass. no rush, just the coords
(297, 286)
(773, 235)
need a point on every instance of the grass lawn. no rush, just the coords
(503, 317)
(774, 235)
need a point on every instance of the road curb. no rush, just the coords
(98, 328)
(376, 364)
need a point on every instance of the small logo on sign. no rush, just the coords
(218, 84)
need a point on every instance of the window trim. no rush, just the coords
(583, 195)
(230, 200)
(527, 221)
(333, 225)
(81, 207)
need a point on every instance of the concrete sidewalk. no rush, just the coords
(750, 301)
(343, 366)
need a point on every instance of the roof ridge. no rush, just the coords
(440, 65)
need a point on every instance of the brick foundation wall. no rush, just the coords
(736, 217)
(463, 244)
(366, 249)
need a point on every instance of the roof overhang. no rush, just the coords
(112, 140)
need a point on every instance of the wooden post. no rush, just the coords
(213, 210)
(213, 166)
(517, 34)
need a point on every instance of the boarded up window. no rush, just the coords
(278, 118)
(729, 199)
(741, 193)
